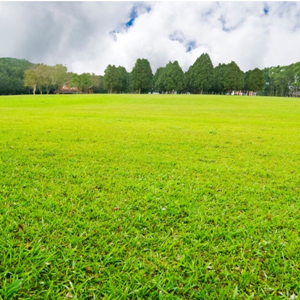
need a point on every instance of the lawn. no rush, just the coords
(149, 197)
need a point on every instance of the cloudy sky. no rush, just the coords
(87, 36)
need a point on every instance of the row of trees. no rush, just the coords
(282, 81)
(20, 77)
(45, 77)
(52, 78)
(200, 78)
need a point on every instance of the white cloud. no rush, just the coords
(79, 34)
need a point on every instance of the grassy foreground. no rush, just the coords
(149, 197)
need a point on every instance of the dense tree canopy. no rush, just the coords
(58, 76)
(12, 76)
(19, 76)
(158, 80)
(233, 79)
(45, 77)
(171, 78)
(82, 82)
(110, 78)
(254, 80)
(141, 76)
(116, 79)
(199, 77)
(218, 79)
(123, 80)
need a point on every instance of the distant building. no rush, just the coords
(240, 93)
(67, 89)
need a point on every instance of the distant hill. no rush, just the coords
(12, 75)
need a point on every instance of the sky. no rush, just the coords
(88, 36)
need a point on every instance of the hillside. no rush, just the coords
(12, 75)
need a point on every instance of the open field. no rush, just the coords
(149, 197)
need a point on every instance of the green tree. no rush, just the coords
(123, 80)
(83, 82)
(31, 78)
(141, 76)
(188, 80)
(173, 78)
(268, 88)
(111, 79)
(200, 77)
(233, 77)
(44, 77)
(296, 82)
(218, 79)
(58, 76)
(158, 80)
(12, 76)
(283, 78)
(254, 80)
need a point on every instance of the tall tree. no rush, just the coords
(219, 77)
(189, 80)
(123, 80)
(44, 77)
(141, 76)
(201, 74)
(254, 80)
(283, 78)
(58, 76)
(111, 79)
(31, 78)
(158, 80)
(233, 79)
(173, 78)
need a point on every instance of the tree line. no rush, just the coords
(20, 77)
(48, 78)
(203, 78)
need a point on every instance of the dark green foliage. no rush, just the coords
(283, 78)
(116, 79)
(173, 78)
(218, 79)
(97, 83)
(141, 76)
(110, 78)
(123, 80)
(157, 82)
(101, 88)
(227, 78)
(200, 75)
(233, 79)
(282, 81)
(296, 82)
(12, 76)
(254, 80)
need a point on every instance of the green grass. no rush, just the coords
(149, 197)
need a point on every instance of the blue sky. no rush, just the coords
(95, 34)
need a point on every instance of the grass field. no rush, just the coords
(149, 197)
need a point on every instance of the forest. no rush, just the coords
(19, 76)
